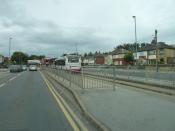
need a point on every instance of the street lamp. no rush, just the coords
(157, 68)
(10, 40)
(134, 17)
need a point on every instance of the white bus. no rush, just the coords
(34, 62)
(69, 62)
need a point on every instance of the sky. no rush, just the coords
(54, 27)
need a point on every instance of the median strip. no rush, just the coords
(90, 117)
(64, 107)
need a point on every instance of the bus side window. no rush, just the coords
(63, 63)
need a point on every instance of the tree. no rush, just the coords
(41, 57)
(85, 54)
(33, 57)
(153, 42)
(142, 45)
(119, 47)
(161, 61)
(90, 54)
(64, 54)
(19, 57)
(128, 46)
(129, 57)
(36, 57)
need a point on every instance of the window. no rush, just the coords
(72, 59)
(152, 52)
(161, 51)
(60, 62)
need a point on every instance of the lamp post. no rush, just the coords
(135, 23)
(157, 66)
(10, 40)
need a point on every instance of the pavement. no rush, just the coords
(27, 105)
(130, 109)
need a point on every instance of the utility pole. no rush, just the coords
(76, 50)
(157, 68)
(10, 39)
(135, 23)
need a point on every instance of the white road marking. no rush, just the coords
(12, 78)
(2, 85)
(20, 74)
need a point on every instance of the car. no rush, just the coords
(15, 68)
(24, 67)
(32, 68)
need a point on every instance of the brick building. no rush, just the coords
(99, 59)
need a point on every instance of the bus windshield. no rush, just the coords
(60, 62)
(73, 59)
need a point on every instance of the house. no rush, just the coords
(88, 60)
(118, 56)
(84, 61)
(147, 55)
(91, 61)
(141, 57)
(47, 61)
(166, 54)
(99, 59)
(108, 59)
(1, 59)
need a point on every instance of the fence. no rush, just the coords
(144, 76)
(75, 79)
(105, 77)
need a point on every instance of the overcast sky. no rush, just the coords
(53, 27)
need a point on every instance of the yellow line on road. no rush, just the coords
(80, 123)
(68, 117)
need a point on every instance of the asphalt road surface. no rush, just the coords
(130, 109)
(27, 105)
(6, 76)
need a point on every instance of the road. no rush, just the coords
(5, 76)
(27, 105)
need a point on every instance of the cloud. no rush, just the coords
(57, 26)
(38, 36)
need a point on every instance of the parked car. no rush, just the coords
(32, 68)
(15, 68)
(24, 67)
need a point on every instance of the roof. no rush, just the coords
(119, 51)
(88, 57)
(159, 46)
(99, 55)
